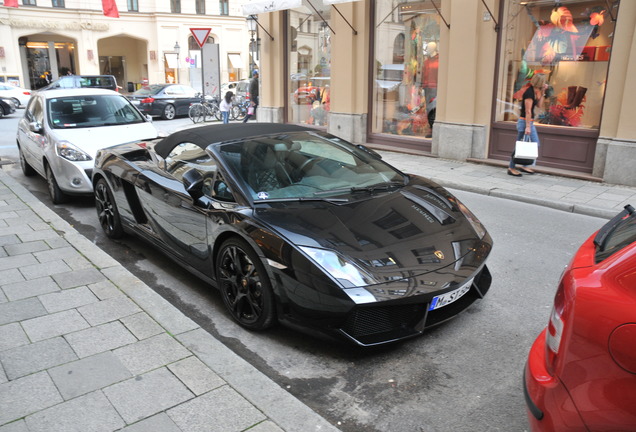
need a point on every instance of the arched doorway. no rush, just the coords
(46, 57)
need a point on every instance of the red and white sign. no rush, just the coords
(200, 35)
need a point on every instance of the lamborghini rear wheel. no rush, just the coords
(107, 211)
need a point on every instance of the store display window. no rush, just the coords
(568, 41)
(309, 97)
(406, 64)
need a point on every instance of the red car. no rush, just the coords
(581, 370)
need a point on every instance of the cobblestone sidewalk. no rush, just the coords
(86, 346)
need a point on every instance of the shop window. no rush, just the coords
(133, 6)
(309, 99)
(568, 41)
(405, 84)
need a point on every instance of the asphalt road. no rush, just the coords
(462, 376)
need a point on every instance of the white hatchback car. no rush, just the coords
(19, 95)
(62, 130)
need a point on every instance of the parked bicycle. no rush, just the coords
(239, 108)
(206, 110)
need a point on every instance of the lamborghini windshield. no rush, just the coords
(307, 165)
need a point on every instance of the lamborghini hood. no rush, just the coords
(392, 236)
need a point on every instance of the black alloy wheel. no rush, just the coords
(244, 285)
(56, 194)
(27, 169)
(2, 113)
(169, 112)
(107, 211)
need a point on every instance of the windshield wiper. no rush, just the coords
(377, 187)
(371, 188)
(301, 199)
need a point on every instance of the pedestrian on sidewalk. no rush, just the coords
(250, 111)
(253, 90)
(225, 106)
(532, 96)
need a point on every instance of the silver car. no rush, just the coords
(62, 130)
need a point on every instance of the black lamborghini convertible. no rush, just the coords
(295, 225)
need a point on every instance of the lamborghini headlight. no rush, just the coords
(69, 152)
(346, 272)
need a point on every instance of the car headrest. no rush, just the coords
(62, 107)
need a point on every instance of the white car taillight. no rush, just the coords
(555, 332)
(556, 329)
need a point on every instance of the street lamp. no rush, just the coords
(177, 48)
(251, 26)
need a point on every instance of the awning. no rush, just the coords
(260, 6)
(338, 1)
(256, 7)
(235, 60)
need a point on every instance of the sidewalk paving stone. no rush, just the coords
(37, 235)
(266, 426)
(73, 279)
(12, 336)
(105, 290)
(108, 310)
(39, 270)
(29, 288)
(17, 426)
(11, 262)
(68, 299)
(27, 395)
(142, 325)
(88, 374)
(157, 423)
(35, 357)
(21, 310)
(195, 375)
(98, 339)
(92, 412)
(24, 248)
(151, 353)
(220, 410)
(147, 394)
(52, 325)
(55, 254)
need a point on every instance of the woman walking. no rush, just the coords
(532, 97)
(225, 106)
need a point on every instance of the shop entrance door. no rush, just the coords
(114, 65)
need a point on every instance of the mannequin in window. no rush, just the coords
(429, 81)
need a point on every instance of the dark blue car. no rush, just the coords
(164, 100)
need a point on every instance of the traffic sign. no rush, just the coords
(200, 35)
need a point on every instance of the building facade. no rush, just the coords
(150, 42)
(442, 77)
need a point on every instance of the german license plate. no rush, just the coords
(450, 297)
(135, 102)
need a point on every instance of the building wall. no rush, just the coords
(616, 149)
(141, 37)
(467, 75)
